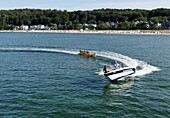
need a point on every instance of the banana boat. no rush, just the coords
(87, 54)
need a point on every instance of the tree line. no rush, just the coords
(125, 18)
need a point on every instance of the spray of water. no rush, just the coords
(145, 68)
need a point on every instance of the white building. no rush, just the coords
(16, 28)
(87, 26)
(40, 27)
(24, 27)
(113, 25)
(83, 25)
(92, 26)
(159, 24)
(47, 27)
(33, 27)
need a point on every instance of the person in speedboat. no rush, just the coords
(116, 65)
(105, 69)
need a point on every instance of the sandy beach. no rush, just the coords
(140, 32)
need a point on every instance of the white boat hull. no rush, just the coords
(120, 73)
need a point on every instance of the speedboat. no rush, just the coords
(120, 73)
(87, 54)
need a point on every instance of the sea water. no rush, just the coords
(42, 75)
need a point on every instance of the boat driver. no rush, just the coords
(105, 69)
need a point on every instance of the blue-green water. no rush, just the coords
(41, 75)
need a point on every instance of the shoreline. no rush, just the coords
(133, 32)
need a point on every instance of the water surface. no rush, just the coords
(41, 75)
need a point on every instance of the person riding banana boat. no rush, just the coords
(87, 53)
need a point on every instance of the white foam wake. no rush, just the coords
(145, 68)
(40, 49)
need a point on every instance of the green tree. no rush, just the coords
(126, 25)
(100, 16)
(103, 26)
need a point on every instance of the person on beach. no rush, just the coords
(105, 69)
(116, 65)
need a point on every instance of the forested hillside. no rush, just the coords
(124, 18)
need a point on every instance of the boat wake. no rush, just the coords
(39, 50)
(144, 67)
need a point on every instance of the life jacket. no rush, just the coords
(88, 52)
